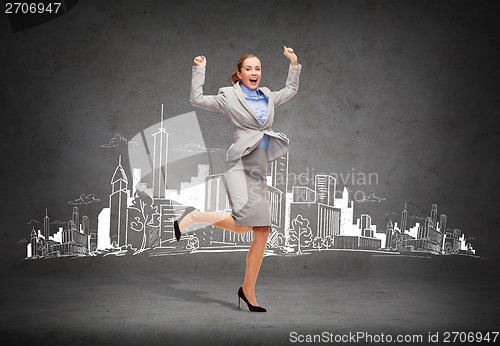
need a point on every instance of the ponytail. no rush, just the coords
(234, 77)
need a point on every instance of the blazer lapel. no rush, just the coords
(241, 97)
(270, 103)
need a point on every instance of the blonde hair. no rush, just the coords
(239, 65)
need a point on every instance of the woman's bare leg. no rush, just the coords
(255, 254)
(254, 261)
(218, 219)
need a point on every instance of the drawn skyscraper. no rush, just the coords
(434, 215)
(118, 206)
(103, 231)
(346, 214)
(33, 243)
(160, 155)
(46, 226)
(442, 228)
(279, 180)
(429, 238)
(325, 189)
(216, 197)
(76, 218)
(388, 234)
(136, 180)
(442, 223)
(85, 225)
(366, 225)
(404, 218)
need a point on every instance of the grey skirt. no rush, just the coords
(247, 190)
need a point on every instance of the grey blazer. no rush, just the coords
(247, 131)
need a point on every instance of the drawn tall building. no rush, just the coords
(216, 196)
(85, 225)
(346, 213)
(76, 218)
(442, 229)
(160, 155)
(388, 234)
(404, 218)
(216, 200)
(325, 189)
(136, 179)
(317, 207)
(328, 221)
(278, 171)
(434, 213)
(429, 237)
(33, 248)
(93, 240)
(303, 194)
(442, 223)
(46, 226)
(103, 230)
(366, 225)
(118, 206)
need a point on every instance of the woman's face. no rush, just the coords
(250, 73)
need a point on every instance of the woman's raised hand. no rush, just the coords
(288, 52)
(200, 61)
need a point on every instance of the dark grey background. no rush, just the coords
(406, 90)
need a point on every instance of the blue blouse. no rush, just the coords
(258, 101)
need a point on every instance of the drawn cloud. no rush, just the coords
(32, 221)
(57, 222)
(85, 199)
(415, 217)
(116, 141)
(300, 177)
(372, 198)
(391, 213)
(196, 148)
(22, 241)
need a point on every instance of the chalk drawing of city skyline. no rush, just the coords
(317, 215)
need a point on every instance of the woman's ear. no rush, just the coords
(238, 74)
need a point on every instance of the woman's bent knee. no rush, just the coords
(244, 229)
(261, 231)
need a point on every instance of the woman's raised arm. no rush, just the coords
(208, 102)
(292, 82)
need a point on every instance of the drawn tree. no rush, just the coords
(317, 243)
(193, 243)
(143, 215)
(447, 248)
(328, 242)
(397, 240)
(300, 234)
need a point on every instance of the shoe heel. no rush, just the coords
(251, 307)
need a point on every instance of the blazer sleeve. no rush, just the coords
(208, 102)
(291, 86)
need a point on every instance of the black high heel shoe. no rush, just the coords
(178, 221)
(251, 307)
